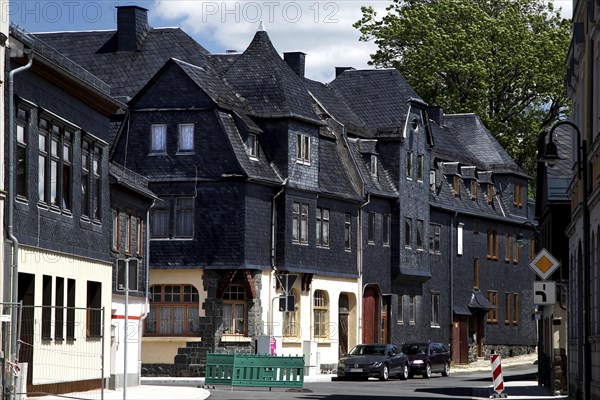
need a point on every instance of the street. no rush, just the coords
(457, 386)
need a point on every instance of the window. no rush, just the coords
(476, 227)
(435, 309)
(94, 309)
(158, 138)
(21, 155)
(386, 229)
(515, 308)
(371, 228)
(420, 234)
(42, 161)
(412, 309)
(321, 314)
(133, 274)
(432, 180)
(252, 146)
(159, 220)
(508, 314)
(185, 142)
(91, 190)
(128, 234)
(322, 227)
(492, 244)
(140, 236)
(348, 231)
(184, 218)
(434, 238)
(374, 165)
(475, 272)
(291, 319)
(70, 309)
(518, 195)
(300, 223)
(508, 246)
(116, 229)
(459, 238)
(401, 310)
(409, 165)
(303, 149)
(420, 160)
(407, 232)
(174, 311)
(46, 307)
(516, 252)
(492, 315)
(473, 189)
(456, 185)
(490, 193)
(59, 309)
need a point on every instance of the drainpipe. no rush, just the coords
(452, 222)
(273, 266)
(11, 204)
(359, 257)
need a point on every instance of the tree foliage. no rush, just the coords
(504, 60)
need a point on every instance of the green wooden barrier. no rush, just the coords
(255, 370)
(219, 368)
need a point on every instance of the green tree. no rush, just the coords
(504, 60)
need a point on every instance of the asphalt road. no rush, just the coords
(457, 386)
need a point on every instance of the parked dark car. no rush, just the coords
(376, 360)
(426, 358)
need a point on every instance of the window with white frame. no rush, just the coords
(174, 311)
(303, 149)
(401, 309)
(409, 165)
(184, 217)
(407, 232)
(300, 223)
(159, 220)
(115, 232)
(291, 319)
(386, 229)
(373, 165)
(322, 227)
(235, 314)
(435, 309)
(412, 309)
(348, 231)
(158, 138)
(252, 146)
(22, 122)
(185, 140)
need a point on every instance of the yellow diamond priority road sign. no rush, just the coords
(544, 264)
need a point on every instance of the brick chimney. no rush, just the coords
(132, 27)
(296, 62)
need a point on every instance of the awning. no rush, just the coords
(478, 301)
(414, 274)
(462, 310)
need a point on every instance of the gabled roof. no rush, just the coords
(126, 71)
(380, 97)
(268, 83)
(382, 184)
(220, 93)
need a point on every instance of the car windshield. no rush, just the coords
(363, 350)
(414, 349)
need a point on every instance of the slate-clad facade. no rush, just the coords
(349, 187)
(62, 123)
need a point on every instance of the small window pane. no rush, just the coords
(159, 138)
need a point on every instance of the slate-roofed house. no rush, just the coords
(478, 210)
(62, 219)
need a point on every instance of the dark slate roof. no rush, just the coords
(126, 71)
(254, 169)
(379, 97)
(222, 62)
(383, 184)
(335, 167)
(476, 142)
(130, 179)
(559, 173)
(268, 83)
(334, 104)
(478, 300)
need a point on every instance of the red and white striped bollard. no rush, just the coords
(497, 377)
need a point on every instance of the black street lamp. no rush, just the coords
(551, 155)
(521, 236)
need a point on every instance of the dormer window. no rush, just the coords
(432, 180)
(456, 185)
(414, 124)
(473, 189)
(303, 149)
(251, 146)
(409, 165)
(490, 193)
(518, 195)
(373, 165)
(158, 138)
(186, 138)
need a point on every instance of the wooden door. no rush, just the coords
(460, 339)
(370, 316)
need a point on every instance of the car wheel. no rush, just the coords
(404, 375)
(385, 373)
(427, 373)
(446, 370)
